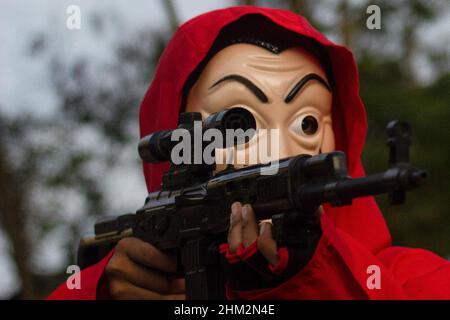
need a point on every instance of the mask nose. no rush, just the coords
(277, 145)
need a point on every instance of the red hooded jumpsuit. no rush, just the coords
(354, 237)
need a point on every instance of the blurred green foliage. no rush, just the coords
(424, 221)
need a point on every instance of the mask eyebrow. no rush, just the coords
(246, 82)
(299, 85)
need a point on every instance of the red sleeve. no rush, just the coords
(342, 268)
(90, 280)
(422, 274)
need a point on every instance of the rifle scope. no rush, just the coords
(157, 147)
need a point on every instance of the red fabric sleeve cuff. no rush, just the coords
(231, 257)
(223, 248)
(241, 253)
(283, 255)
(245, 253)
(90, 283)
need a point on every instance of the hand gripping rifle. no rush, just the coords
(189, 216)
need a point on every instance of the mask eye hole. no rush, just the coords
(309, 125)
(306, 125)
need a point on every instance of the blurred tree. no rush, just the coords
(171, 14)
(13, 216)
(416, 13)
(298, 6)
(248, 2)
(346, 25)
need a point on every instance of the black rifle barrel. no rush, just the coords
(343, 191)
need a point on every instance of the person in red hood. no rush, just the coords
(354, 246)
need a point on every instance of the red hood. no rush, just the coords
(190, 44)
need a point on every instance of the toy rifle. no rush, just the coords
(189, 216)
